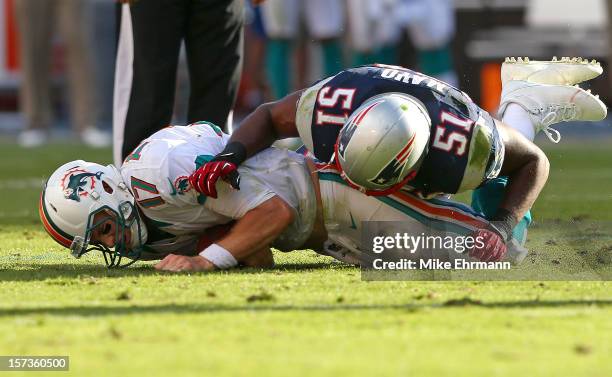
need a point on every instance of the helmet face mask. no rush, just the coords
(123, 232)
(81, 197)
(383, 143)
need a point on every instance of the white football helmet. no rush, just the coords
(74, 194)
(381, 145)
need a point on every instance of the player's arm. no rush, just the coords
(268, 123)
(258, 228)
(527, 168)
(262, 258)
(247, 242)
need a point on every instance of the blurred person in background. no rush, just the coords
(254, 89)
(102, 26)
(150, 38)
(282, 19)
(431, 27)
(374, 34)
(36, 20)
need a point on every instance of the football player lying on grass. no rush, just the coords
(149, 209)
(387, 128)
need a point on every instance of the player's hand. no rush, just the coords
(181, 263)
(489, 246)
(204, 179)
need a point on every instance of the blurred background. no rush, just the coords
(460, 41)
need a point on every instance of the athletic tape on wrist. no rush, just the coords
(218, 256)
(504, 220)
(234, 152)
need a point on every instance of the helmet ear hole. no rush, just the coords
(107, 187)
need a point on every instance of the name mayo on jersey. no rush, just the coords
(415, 78)
(157, 173)
(464, 148)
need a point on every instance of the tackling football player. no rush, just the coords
(387, 128)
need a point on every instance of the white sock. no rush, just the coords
(518, 118)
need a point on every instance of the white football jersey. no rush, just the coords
(157, 173)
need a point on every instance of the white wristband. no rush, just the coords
(218, 256)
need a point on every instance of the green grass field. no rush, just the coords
(310, 315)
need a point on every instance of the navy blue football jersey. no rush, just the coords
(464, 149)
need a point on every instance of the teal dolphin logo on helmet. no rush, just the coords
(75, 185)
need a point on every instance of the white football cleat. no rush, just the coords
(566, 71)
(550, 104)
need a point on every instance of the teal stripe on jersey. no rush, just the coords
(153, 202)
(332, 177)
(202, 159)
(437, 224)
(199, 161)
(432, 222)
(460, 206)
(215, 128)
(202, 199)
